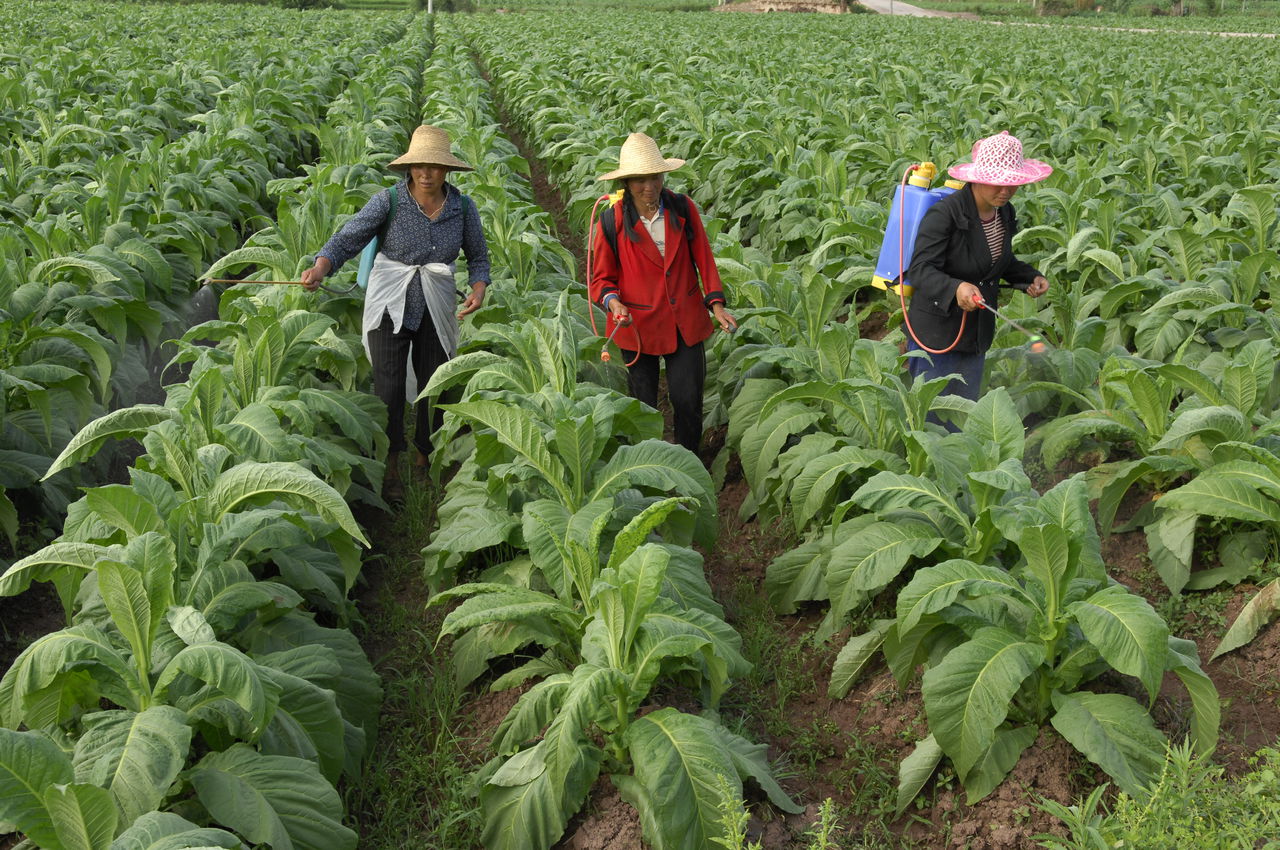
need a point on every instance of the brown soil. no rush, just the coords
(1248, 681)
(35, 613)
(608, 823)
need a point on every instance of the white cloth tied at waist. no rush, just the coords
(388, 282)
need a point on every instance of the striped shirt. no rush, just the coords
(993, 230)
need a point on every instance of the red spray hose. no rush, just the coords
(902, 274)
(604, 350)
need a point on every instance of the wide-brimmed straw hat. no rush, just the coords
(998, 161)
(639, 156)
(429, 146)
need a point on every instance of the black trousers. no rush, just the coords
(686, 376)
(390, 354)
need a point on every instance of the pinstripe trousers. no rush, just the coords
(390, 354)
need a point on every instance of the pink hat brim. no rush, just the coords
(1032, 171)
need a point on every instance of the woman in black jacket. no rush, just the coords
(964, 248)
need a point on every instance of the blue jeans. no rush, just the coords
(969, 366)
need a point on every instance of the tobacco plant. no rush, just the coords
(1006, 652)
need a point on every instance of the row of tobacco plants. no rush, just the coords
(207, 690)
(1159, 231)
(572, 522)
(118, 187)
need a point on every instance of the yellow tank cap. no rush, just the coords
(952, 183)
(923, 174)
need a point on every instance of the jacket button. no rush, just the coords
(673, 301)
(668, 272)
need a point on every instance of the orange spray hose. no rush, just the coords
(902, 274)
(604, 350)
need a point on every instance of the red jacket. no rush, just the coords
(662, 293)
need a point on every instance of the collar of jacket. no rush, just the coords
(452, 199)
(967, 211)
(631, 215)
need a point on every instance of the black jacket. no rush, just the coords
(951, 249)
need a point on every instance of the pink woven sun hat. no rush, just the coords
(998, 161)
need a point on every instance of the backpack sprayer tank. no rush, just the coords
(910, 203)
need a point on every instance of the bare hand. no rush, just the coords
(312, 277)
(475, 300)
(728, 323)
(621, 314)
(968, 296)
(1038, 287)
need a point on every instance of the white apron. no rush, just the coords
(388, 282)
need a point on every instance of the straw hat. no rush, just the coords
(429, 146)
(640, 156)
(998, 161)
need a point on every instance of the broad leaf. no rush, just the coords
(853, 656)
(681, 762)
(30, 763)
(934, 588)
(287, 481)
(275, 800)
(968, 694)
(990, 770)
(529, 799)
(1256, 613)
(120, 424)
(1114, 733)
(1127, 632)
(134, 756)
(167, 831)
(84, 816)
(915, 771)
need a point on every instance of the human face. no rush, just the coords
(992, 197)
(428, 178)
(646, 190)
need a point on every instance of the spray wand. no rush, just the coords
(1037, 342)
(278, 283)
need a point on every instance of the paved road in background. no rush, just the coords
(893, 7)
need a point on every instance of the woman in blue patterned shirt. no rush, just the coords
(409, 323)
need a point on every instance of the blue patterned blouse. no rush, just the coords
(414, 239)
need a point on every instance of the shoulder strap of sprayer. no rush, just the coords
(679, 205)
(386, 223)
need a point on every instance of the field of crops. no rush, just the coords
(946, 635)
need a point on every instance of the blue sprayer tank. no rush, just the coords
(910, 203)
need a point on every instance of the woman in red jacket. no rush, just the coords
(660, 282)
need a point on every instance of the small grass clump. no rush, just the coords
(1193, 804)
